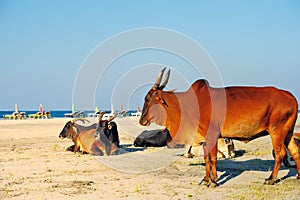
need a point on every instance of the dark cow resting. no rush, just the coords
(161, 138)
(155, 138)
(152, 138)
(107, 132)
(111, 132)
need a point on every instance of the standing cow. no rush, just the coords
(202, 114)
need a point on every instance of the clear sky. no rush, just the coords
(44, 43)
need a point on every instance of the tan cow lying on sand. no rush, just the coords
(85, 138)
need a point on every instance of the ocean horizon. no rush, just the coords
(60, 113)
(54, 113)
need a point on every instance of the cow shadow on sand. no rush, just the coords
(130, 148)
(124, 148)
(234, 168)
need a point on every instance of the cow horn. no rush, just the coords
(101, 114)
(80, 119)
(158, 79)
(165, 81)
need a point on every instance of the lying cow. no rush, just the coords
(110, 130)
(71, 130)
(92, 139)
(153, 138)
(160, 138)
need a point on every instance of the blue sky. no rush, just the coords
(44, 43)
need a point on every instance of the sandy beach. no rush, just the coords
(34, 164)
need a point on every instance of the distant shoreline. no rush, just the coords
(60, 113)
(54, 113)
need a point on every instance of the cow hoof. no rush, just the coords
(271, 182)
(212, 185)
(115, 152)
(188, 155)
(70, 148)
(208, 184)
(204, 183)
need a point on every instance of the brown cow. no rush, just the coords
(202, 114)
(90, 139)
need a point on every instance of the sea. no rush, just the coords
(54, 113)
(59, 113)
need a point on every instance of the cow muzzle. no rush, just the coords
(62, 136)
(144, 121)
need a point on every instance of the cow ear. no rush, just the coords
(70, 124)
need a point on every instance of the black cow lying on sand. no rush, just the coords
(153, 138)
(110, 130)
(160, 138)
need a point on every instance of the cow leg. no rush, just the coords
(279, 150)
(95, 150)
(213, 157)
(294, 151)
(188, 153)
(210, 157)
(114, 149)
(102, 147)
(77, 145)
(71, 148)
(206, 180)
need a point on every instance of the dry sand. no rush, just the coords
(34, 164)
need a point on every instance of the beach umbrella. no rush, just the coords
(16, 108)
(41, 108)
(112, 108)
(73, 108)
(96, 110)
